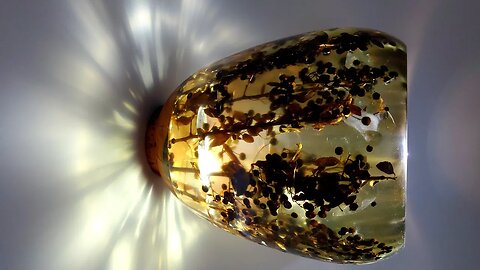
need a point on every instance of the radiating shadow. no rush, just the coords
(134, 55)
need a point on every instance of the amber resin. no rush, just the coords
(297, 144)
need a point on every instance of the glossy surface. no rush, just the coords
(76, 84)
(297, 144)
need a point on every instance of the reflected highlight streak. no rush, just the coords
(143, 213)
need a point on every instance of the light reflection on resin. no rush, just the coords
(297, 144)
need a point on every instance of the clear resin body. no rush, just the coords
(297, 144)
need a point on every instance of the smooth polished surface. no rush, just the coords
(79, 78)
(274, 144)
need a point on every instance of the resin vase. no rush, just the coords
(298, 144)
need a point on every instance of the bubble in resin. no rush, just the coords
(298, 144)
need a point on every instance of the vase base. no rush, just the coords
(151, 140)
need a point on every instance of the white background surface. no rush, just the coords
(79, 78)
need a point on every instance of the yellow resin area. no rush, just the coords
(297, 144)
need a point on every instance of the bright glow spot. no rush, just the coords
(208, 161)
(141, 19)
(174, 246)
(122, 255)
